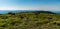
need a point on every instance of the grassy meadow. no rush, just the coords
(29, 20)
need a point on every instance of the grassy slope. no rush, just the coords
(30, 21)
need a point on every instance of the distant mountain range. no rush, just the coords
(37, 11)
(18, 11)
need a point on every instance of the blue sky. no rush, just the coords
(30, 5)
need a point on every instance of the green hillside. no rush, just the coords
(29, 20)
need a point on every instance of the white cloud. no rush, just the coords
(56, 8)
(45, 7)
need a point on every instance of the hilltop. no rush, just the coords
(30, 20)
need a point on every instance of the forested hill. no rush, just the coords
(36, 11)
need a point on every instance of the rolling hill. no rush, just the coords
(30, 20)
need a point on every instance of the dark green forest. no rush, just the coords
(30, 20)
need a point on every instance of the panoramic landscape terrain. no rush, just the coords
(30, 20)
(29, 14)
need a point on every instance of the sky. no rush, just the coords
(30, 5)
